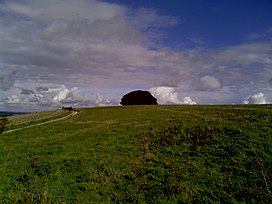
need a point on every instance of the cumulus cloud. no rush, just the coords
(48, 96)
(103, 101)
(168, 95)
(187, 100)
(257, 98)
(165, 95)
(61, 93)
(76, 98)
(210, 83)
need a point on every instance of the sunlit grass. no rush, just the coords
(24, 120)
(146, 154)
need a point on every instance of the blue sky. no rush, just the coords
(217, 22)
(91, 52)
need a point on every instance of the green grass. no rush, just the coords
(144, 154)
(19, 121)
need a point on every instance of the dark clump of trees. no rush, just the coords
(138, 98)
(70, 108)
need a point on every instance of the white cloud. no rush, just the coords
(103, 101)
(61, 94)
(48, 96)
(168, 95)
(210, 83)
(187, 100)
(75, 97)
(165, 95)
(257, 98)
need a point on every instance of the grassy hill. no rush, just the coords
(145, 154)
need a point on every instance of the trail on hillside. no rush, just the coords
(43, 123)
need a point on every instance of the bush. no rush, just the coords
(4, 121)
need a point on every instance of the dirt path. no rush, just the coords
(43, 123)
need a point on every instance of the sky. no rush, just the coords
(88, 53)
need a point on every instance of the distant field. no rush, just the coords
(144, 154)
(24, 120)
(7, 113)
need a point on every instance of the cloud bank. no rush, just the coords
(53, 96)
(168, 95)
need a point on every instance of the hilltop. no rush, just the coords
(146, 154)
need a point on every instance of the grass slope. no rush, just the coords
(24, 120)
(145, 154)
